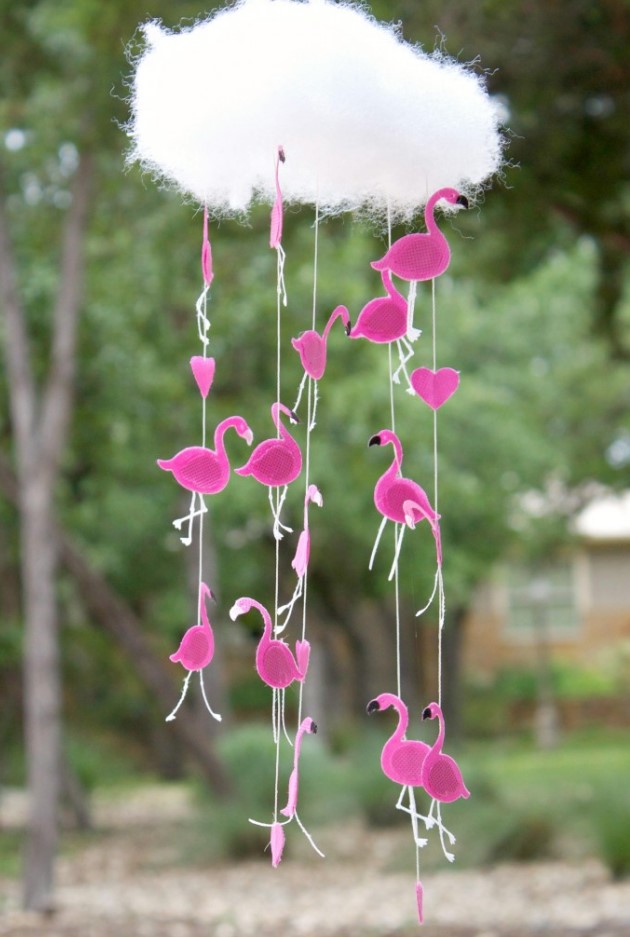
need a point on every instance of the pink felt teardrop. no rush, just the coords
(277, 844)
(435, 387)
(206, 253)
(203, 372)
(419, 897)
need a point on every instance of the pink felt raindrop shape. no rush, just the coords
(422, 256)
(419, 902)
(203, 372)
(206, 253)
(277, 843)
(435, 387)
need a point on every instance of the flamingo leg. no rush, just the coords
(405, 352)
(418, 816)
(282, 291)
(377, 541)
(300, 392)
(442, 830)
(308, 835)
(203, 322)
(177, 524)
(172, 714)
(283, 608)
(282, 719)
(205, 699)
(413, 813)
(399, 541)
(412, 334)
(278, 526)
(436, 581)
(313, 424)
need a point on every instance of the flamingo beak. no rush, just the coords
(462, 200)
(372, 707)
(348, 327)
(313, 729)
(293, 417)
(235, 611)
(248, 436)
(281, 155)
(212, 595)
(374, 441)
(427, 714)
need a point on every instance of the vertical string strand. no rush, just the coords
(392, 408)
(436, 487)
(307, 459)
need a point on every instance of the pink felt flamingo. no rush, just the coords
(422, 256)
(275, 664)
(402, 761)
(385, 320)
(276, 463)
(275, 231)
(290, 811)
(302, 553)
(195, 651)
(311, 347)
(307, 725)
(204, 471)
(391, 493)
(441, 777)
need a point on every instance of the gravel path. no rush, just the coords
(127, 883)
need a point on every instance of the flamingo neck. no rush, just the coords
(429, 218)
(437, 747)
(339, 311)
(391, 289)
(396, 466)
(403, 721)
(283, 432)
(203, 612)
(220, 431)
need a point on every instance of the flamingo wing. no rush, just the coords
(443, 779)
(404, 763)
(274, 463)
(196, 649)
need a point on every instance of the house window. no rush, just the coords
(541, 603)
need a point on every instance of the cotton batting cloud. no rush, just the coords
(366, 120)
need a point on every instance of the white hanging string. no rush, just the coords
(441, 604)
(309, 428)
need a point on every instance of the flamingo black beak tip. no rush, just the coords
(463, 201)
(281, 155)
(348, 328)
(294, 417)
(374, 441)
(372, 707)
(313, 728)
(426, 713)
(212, 595)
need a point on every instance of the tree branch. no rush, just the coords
(57, 396)
(22, 395)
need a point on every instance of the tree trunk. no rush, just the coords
(42, 694)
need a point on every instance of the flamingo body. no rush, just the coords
(384, 319)
(278, 461)
(422, 256)
(441, 776)
(202, 470)
(402, 759)
(196, 649)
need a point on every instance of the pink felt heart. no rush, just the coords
(435, 387)
(203, 372)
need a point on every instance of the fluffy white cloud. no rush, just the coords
(365, 119)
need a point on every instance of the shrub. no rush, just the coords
(611, 821)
